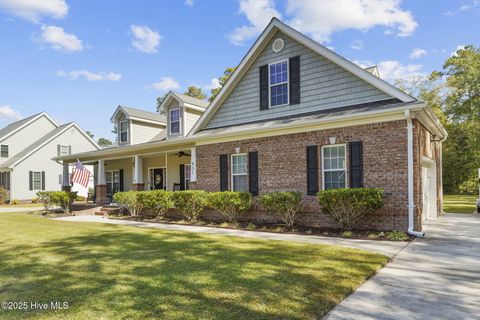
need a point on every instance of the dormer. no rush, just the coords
(136, 126)
(182, 112)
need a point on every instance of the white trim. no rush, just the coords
(120, 131)
(323, 164)
(55, 123)
(179, 121)
(128, 117)
(164, 176)
(262, 41)
(146, 121)
(277, 84)
(231, 169)
(33, 181)
(112, 182)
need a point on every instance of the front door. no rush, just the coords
(157, 179)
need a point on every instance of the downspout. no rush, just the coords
(411, 204)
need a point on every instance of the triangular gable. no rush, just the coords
(380, 89)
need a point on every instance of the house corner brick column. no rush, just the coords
(66, 188)
(138, 186)
(101, 194)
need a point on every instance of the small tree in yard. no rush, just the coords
(284, 205)
(231, 204)
(3, 195)
(64, 199)
(159, 201)
(45, 197)
(131, 200)
(190, 202)
(348, 206)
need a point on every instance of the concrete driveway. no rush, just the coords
(437, 277)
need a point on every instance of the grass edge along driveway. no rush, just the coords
(460, 203)
(118, 272)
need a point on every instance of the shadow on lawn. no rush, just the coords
(125, 273)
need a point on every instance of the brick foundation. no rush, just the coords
(101, 194)
(138, 186)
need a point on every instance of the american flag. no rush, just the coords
(80, 174)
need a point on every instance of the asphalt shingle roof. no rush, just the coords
(15, 125)
(142, 114)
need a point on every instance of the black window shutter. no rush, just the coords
(43, 180)
(30, 180)
(294, 69)
(264, 87)
(120, 173)
(312, 170)
(58, 150)
(223, 172)
(69, 149)
(356, 164)
(182, 177)
(253, 172)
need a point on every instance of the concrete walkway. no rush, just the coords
(388, 248)
(437, 277)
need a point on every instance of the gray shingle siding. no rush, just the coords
(323, 85)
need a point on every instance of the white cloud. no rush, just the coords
(417, 53)
(465, 7)
(90, 76)
(258, 13)
(34, 10)
(165, 84)
(357, 45)
(391, 70)
(58, 39)
(459, 47)
(6, 112)
(145, 39)
(189, 3)
(214, 83)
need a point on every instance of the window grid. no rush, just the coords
(278, 76)
(188, 175)
(37, 180)
(64, 150)
(334, 172)
(123, 131)
(4, 151)
(175, 120)
(239, 172)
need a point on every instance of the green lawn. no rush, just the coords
(459, 203)
(115, 272)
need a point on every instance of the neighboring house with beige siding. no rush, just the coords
(294, 116)
(29, 146)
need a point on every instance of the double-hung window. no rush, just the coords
(239, 172)
(4, 151)
(37, 180)
(175, 121)
(123, 131)
(278, 75)
(64, 151)
(334, 172)
(188, 175)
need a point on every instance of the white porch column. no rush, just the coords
(101, 172)
(193, 164)
(66, 175)
(138, 170)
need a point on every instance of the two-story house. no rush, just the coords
(294, 116)
(26, 151)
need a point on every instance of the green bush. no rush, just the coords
(284, 205)
(14, 202)
(45, 197)
(397, 236)
(159, 201)
(64, 199)
(348, 206)
(190, 202)
(132, 200)
(347, 234)
(230, 203)
(3, 195)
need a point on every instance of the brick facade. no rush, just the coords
(282, 167)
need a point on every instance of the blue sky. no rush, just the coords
(78, 60)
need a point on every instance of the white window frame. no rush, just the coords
(332, 170)
(150, 176)
(237, 174)
(66, 153)
(120, 131)
(8, 150)
(112, 180)
(179, 121)
(187, 168)
(39, 181)
(276, 84)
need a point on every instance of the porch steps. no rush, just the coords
(109, 209)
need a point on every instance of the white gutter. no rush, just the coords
(411, 204)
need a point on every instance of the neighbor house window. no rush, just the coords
(278, 75)
(239, 172)
(37, 180)
(188, 175)
(64, 150)
(123, 131)
(334, 173)
(4, 151)
(175, 120)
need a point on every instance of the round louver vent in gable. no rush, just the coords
(278, 45)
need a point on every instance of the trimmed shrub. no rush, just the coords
(284, 205)
(159, 201)
(230, 203)
(132, 200)
(347, 206)
(190, 202)
(3, 195)
(45, 197)
(64, 199)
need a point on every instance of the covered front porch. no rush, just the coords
(172, 170)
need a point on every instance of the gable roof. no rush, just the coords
(25, 153)
(274, 26)
(187, 101)
(139, 115)
(17, 125)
